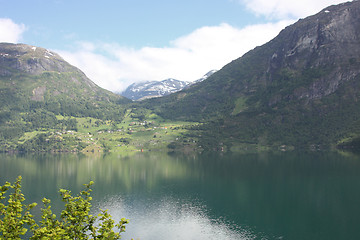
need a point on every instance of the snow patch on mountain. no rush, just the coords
(151, 89)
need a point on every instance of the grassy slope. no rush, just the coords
(96, 135)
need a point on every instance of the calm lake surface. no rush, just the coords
(290, 195)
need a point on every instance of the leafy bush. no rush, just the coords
(75, 222)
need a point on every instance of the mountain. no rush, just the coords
(301, 89)
(36, 85)
(153, 89)
(206, 76)
(37, 74)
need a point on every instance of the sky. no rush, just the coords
(119, 42)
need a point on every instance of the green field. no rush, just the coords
(135, 132)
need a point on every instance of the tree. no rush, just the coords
(15, 215)
(75, 221)
(71, 124)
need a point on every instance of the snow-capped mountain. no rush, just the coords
(151, 89)
(205, 76)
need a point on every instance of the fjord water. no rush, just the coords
(287, 195)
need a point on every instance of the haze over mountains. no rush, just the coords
(300, 90)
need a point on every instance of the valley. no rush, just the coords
(266, 147)
(298, 91)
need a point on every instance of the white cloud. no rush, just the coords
(283, 9)
(189, 57)
(10, 31)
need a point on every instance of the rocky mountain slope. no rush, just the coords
(152, 89)
(300, 89)
(39, 73)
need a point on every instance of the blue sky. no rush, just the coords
(132, 23)
(118, 42)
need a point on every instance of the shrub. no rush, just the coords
(75, 221)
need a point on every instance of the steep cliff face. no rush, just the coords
(329, 40)
(301, 88)
(328, 37)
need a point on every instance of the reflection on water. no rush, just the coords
(235, 196)
(171, 219)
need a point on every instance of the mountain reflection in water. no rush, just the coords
(290, 195)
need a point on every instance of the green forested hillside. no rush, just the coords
(48, 105)
(37, 86)
(299, 90)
